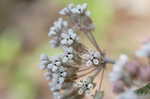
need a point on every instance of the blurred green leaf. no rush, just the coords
(9, 46)
(23, 86)
(144, 90)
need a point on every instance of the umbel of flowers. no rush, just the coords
(129, 75)
(72, 74)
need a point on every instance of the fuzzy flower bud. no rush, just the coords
(69, 38)
(118, 69)
(92, 58)
(85, 86)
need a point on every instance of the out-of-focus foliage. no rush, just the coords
(9, 46)
(144, 90)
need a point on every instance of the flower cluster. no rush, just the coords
(93, 58)
(69, 38)
(58, 27)
(127, 75)
(85, 86)
(75, 10)
(44, 61)
(62, 35)
(56, 30)
(80, 16)
(65, 72)
(57, 72)
(118, 69)
(68, 55)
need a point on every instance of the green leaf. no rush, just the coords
(144, 90)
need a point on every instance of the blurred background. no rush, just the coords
(121, 25)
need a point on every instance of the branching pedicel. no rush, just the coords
(72, 74)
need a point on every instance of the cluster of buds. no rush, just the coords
(80, 16)
(128, 75)
(72, 73)
(85, 86)
(93, 58)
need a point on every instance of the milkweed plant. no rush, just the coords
(73, 73)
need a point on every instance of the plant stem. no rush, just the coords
(97, 72)
(95, 42)
(101, 79)
(109, 60)
(85, 69)
(87, 73)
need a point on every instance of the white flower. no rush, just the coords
(58, 27)
(118, 68)
(59, 75)
(58, 78)
(75, 10)
(54, 85)
(44, 57)
(85, 86)
(48, 75)
(66, 11)
(54, 68)
(114, 76)
(41, 66)
(52, 31)
(144, 51)
(95, 61)
(92, 58)
(89, 63)
(68, 54)
(57, 95)
(81, 8)
(55, 63)
(55, 42)
(87, 13)
(63, 11)
(69, 38)
(61, 72)
(44, 61)
(55, 31)
(129, 94)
